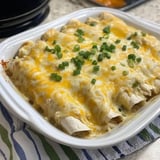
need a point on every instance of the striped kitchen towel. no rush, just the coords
(19, 142)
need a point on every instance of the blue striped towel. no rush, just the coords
(20, 142)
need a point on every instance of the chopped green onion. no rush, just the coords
(124, 48)
(63, 65)
(96, 69)
(95, 47)
(79, 32)
(113, 68)
(93, 24)
(93, 51)
(132, 57)
(57, 48)
(134, 34)
(130, 63)
(106, 36)
(80, 39)
(93, 81)
(94, 62)
(117, 41)
(106, 54)
(135, 44)
(78, 61)
(59, 55)
(54, 42)
(112, 47)
(143, 34)
(76, 72)
(85, 54)
(106, 29)
(138, 60)
(76, 48)
(55, 77)
(100, 38)
(125, 73)
(100, 57)
(129, 38)
(135, 84)
(109, 48)
(52, 50)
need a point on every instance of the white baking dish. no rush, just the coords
(22, 109)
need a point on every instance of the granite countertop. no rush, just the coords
(150, 11)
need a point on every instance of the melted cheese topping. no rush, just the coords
(96, 71)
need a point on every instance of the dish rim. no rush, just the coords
(12, 103)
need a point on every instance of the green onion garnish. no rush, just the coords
(113, 68)
(132, 57)
(96, 69)
(93, 24)
(63, 65)
(100, 57)
(135, 84)
(80, 39)
(79, 32)
(117, 41)
(94, 62)
(106, 29)
(54, 42)
(106, 54)
(143, 34)
(76, 48)
(124, 48)
(125, 73)
(47, 49)
(55, 77)
(76, 72)
(135, 44)
(138, 60)
(93, 81)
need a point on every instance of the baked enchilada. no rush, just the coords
(90, 76)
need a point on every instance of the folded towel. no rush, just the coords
(18, 141)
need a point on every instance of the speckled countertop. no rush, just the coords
(149, 10)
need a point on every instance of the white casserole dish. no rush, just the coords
(23, 110)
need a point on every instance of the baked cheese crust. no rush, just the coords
(89, 76)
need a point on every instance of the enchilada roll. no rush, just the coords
(113, 22)
(157, 86)
(52, 103)
(71, 42)
(25, 48)
(146, 90)
(74, 126)
(82, 30)
(130, 100)
(54, 37)
(99, 103)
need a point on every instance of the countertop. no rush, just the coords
(149, 10)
